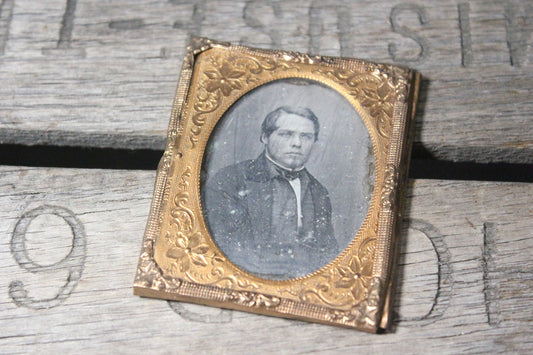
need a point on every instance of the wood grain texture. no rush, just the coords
(103, 73)
(465, 274)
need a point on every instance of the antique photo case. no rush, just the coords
(280, 188)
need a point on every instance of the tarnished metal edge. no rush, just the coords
(195, 47)
(358, 318)
(388, 234)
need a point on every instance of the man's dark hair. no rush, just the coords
(269, 123)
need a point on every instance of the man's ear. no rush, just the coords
(263, 138)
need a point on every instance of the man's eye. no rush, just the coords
(284, 134)
(307, 137)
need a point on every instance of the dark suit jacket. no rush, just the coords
(238, 201)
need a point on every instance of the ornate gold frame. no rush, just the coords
(180, 261)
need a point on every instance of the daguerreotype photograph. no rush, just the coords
(288, 177)
(280, 187)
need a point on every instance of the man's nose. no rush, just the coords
(296, 141)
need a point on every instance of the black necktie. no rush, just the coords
(289, 174)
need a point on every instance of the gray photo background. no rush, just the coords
(341, 160)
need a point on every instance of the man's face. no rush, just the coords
(291, 143)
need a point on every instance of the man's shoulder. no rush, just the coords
(232, 175)
(239, 169)
(316, 185)
(252, 169)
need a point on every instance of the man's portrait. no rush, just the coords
(267, 200)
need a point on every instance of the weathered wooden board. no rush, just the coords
(103, 73)
(466, 274)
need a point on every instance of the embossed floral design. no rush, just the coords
(355, 277)
(223, 78)
(365, 312)
(379, 99)
(188, 250)
(252, 299)
(391, 180)
(398, 78)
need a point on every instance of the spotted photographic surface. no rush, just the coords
(287, 178)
